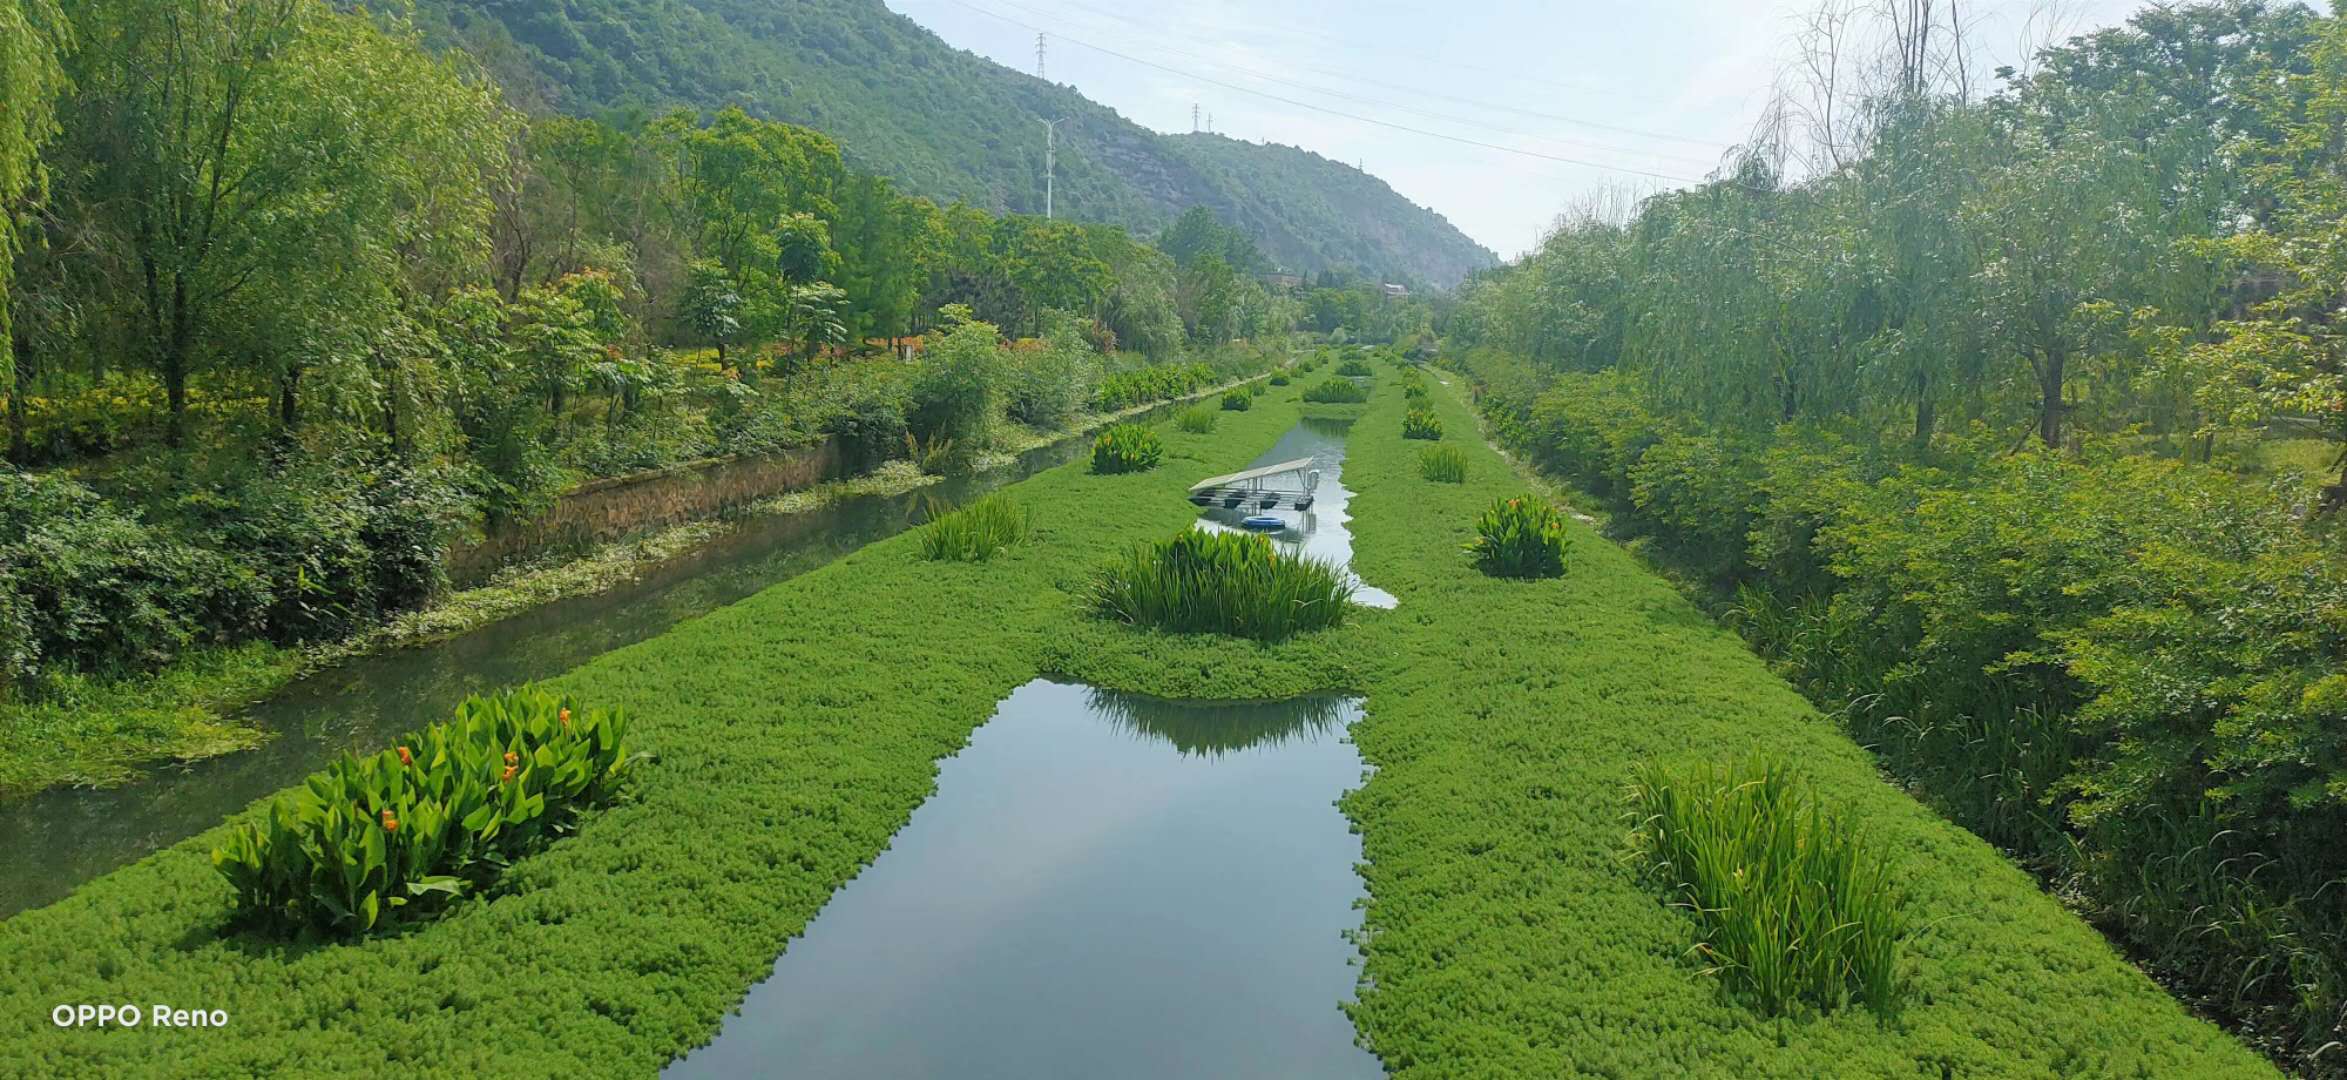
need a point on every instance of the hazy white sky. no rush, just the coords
(1640, 92)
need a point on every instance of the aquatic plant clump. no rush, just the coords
(369, 840)
(1127, 448)
(1222, 583)
(975, 533)
(1790, 904)
(1195, 420)
(1421, 424)
(1520, 537)
(1443, 464)
(1354, 368)
(1279, 379)
(1335, 392)
(1238, 401)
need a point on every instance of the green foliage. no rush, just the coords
(977, 532)
(1279, 379)
(1443, 464)
(1791, 903)
(1336, 392)
(1195, 420)
(390, 837)
(1126, 448)
(1520, 537)
(1237, 401)
(1354, 369)
(1151, 383)
(1421, 424)
(1222, 583)
(957, 391)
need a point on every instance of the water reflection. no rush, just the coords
(1215, 728)
(54, 841)
(1322, 531)
(1076, 902)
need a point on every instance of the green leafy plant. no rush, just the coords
(369, 840)
(1279, 379)
(975, 533)
(1414, 390)
(1421, 424)
(1196, 420)
(1238, 401)
(1791, 904)
(1126, 448)
(1335, 392)
(1443, 464)
(1520, 537)
(1354, 368)
(1224, 583)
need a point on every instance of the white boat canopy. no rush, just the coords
(1301, 466)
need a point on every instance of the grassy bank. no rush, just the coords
(101, 732)
(797, 730)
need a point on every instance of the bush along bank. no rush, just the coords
(1507, 931)
(2117, 666)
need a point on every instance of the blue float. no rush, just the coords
(1267, 522)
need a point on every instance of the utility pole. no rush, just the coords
(1050, 160)
(1193, 118)
(1039, 57)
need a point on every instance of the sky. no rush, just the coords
(1635, 95)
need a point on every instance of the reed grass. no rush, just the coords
(1336, 392)
(1222, 583)
(1196, 420)
(977, 532)
(1443, 464)
(1791, 905)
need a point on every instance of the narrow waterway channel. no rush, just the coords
(54, 841)
(1105, 884)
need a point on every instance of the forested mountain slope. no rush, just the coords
(946, 123)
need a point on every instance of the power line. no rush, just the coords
(1445, 136)
(1643, 133)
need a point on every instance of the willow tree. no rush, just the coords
(278, 164)
(33, 33)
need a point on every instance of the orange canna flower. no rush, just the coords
(512, 759)
(390, 824)
(406, 758)
(563, 716)
(510, 770)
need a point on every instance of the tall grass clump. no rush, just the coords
(1520, 537)
(1421, 424)
(1443, 464)
(1127, 448)
(1354, 368)
(1238, 401)
(1196, 420)
(1791, 905)
(976, 532)
(1222, 583)
(1335, 392)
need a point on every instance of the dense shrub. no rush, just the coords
(1049, 385)
(1280, 379)
(1223, 583)
(1125, 448)
(1790, 903)
(1335, 392)
(1421, 424)
(975, 533)
(957, 391)
(2112, 664)
(1196, 420)
(1443, 464)
(1522, 537)
(1157, 382)
(1354, 369)
(1238, 401)
(369, 841)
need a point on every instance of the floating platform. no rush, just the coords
(1288, 484)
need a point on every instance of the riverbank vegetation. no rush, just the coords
(1968, 415)
(977, 532)
(220, 452)
(1204, 582)
(1507, 931)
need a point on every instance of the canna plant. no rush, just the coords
(368, 841)
(1520, 537)
(1238, 401)
(1335, 392)
(1126, 448)
(1791, 906)
(1421, 424)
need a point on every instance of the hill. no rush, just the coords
(946, 123)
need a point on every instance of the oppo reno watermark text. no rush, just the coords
(130, 1016)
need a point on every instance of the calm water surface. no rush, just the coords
(1319, 532)
(1104, 885)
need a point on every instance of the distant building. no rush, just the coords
(1396, 292)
